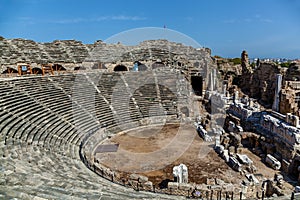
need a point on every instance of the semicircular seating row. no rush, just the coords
(44, 119)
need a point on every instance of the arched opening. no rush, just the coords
(79, 68)
(10, 70)
(143, 67)
(37, 71)
(197, 82)
(120, 68)
(138, 66)
(24, 69)
(158, 65)
(57, 67)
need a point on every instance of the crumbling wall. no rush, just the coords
(259, 82)
(72, 53)
(293, 72)
(289, 93)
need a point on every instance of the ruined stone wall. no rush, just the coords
(72, 53)
(260, 83)
(275, 134)
(293, 72)
(288, 98)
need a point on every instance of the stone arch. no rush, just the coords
(158, 64)
(37, 70)
(140, 66)
(197, 84)
(10, 70)
(79, 68)
(120, 67)
(143, 67)
(58, 67)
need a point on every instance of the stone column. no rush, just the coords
(214, 79)
(236, 97)
(276, 101)
(224, 89)
(211, 82)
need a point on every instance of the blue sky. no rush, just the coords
(265, 28)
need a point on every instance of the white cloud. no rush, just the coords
(266, 20)
(253, 19)
(98, 19)
(68, 21)
(127, 18)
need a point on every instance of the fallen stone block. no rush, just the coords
(185, 186)
(134, 177)
(147, 185)
(210, 181)
(219, 181)
(142, 179)
(133, 183)
(273, 162)
(172, 185)
(244, 159)
(252, 178)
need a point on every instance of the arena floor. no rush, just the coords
(153, 151)
(148, 151)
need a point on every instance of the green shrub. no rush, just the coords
(236, 61)
(285, 64)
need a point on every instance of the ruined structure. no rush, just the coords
(62, 56)
(290, 91)
(180, 173)
(267, 80)
(57, 100)
(60, 101)
(246, 69)
(278, 135)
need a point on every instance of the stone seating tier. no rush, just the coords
(44, 121)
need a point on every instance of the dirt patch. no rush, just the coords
(147, 139)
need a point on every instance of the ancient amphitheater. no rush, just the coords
(109, 121)
(50, 118)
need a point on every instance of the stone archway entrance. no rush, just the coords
(197, 84)
(58, 67)
(119, 68)
(37, 71)
(158, 64)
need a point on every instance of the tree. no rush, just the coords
(285, 64)
(236, 61)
